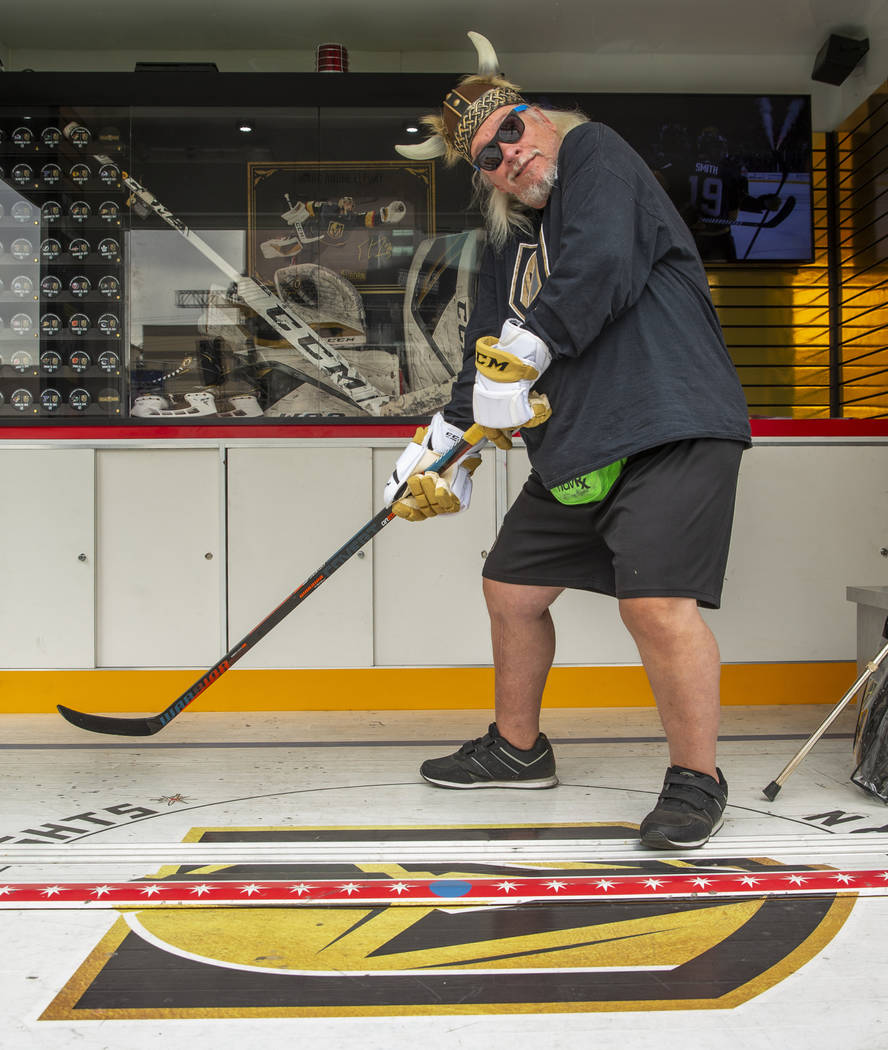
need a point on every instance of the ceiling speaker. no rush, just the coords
(838, 56)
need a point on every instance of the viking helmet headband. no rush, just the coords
(465, 109)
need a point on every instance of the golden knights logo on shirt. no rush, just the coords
(529, 274)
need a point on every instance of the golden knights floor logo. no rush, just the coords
(645, 953)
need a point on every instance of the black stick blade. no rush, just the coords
(111, 726)
(770, 792)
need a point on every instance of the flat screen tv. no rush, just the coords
(737, 167)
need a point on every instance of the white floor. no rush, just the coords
(103, 808)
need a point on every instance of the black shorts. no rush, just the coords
(663, 530)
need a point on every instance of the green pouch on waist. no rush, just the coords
(588, 488)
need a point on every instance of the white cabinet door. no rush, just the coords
(159, 555)
(46, 558)
(289, 510)
(428, 604)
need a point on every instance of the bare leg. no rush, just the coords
(523, 638)
(681, 658)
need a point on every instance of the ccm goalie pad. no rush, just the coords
(871, 737)
(440, 295)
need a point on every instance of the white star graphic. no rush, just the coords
(556, 885)
(149, 891)
(100, 891)
(201, 889)
(843, 877)
(4, 890)
(750, 880)
(884, 875)
(796, 880)
(399, 887)
(507, 887)
(51, 890)
(653, 883)
(301, 888)
(605, 884)
(701, 882)
(250, 889)
(349, 888)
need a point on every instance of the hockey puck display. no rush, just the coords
(78, 324)
(51, 137)
(21, 361)
(21, 399)
(21, 249)
(79, 360)
(108, 324)
(22, 137)
(50, 174)
(21, 324)
(78, 135)
(109, 361)
(22, 286)
(109, 286)
(22, 174)
(50, 211)
(109, 174)
(109, 211)
(50, 361)
(79, 211)
(80, 174)
(50, 286)
(50, 325)
(109, 249)
(64, 212)
(22, 211)
(50, 399)
(50, 249)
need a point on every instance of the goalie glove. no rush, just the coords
(505, 370)
(393, 212)
(429, 493)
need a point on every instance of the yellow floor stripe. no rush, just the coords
(381, 689)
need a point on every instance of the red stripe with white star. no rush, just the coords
(440, 891)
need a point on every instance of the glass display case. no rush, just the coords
(242, 260)
(250, 247)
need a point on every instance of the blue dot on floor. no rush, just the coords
(450, 888)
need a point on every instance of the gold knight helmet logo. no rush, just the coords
(450, 958)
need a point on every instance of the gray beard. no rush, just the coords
(536, 194)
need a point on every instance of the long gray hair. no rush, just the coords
(504, 215)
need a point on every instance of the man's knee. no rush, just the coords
(658, 617)
(517, 601)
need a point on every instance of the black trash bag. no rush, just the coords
(871, 737)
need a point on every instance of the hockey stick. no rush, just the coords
(770, 792)
(286, 322)
(150, 726)
(767, 224)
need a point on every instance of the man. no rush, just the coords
(602, 306)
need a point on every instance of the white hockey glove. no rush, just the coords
(429, 493)
(393, 212)
(505, 370)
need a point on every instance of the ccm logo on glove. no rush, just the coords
(505, 369)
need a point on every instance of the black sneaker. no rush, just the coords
(491, 761)
(689, 810)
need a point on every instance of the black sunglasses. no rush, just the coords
(510, 130)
